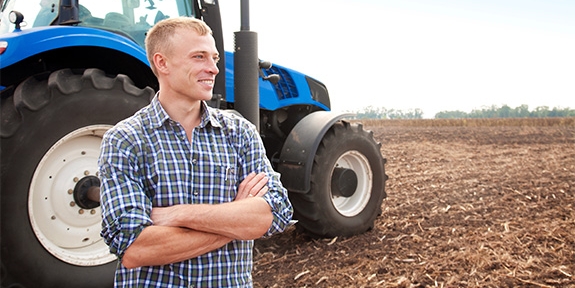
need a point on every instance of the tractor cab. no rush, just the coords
(130, 18)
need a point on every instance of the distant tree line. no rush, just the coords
(371, 112)
(508, 112)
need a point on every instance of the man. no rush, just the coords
(185, 187)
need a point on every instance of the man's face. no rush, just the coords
(192, 64)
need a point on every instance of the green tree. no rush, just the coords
(507, 112)
(371, 112)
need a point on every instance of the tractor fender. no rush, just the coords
(298, 151)
(26, 43)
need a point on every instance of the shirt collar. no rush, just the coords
(209, 116)
(158, 116)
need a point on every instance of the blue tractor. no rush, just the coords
(70, 69)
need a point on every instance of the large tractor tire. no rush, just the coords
(347, 184)
(51, 130)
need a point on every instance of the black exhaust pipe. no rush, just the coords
(246, 65)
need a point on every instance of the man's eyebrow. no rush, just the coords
(205, 52)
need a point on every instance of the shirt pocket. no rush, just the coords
(224, 182)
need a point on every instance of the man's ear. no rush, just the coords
(161, 63)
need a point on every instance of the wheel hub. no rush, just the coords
(87, 192)
(343, 182)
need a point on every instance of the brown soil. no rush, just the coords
(467, 206)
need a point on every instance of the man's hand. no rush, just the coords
(255, 185)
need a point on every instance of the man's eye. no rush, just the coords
(198, 56)
(216, 59)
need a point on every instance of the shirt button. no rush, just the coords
(196, 193)
(194, 161)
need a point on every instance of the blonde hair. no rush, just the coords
(159, 37)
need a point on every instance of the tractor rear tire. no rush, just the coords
(348, 159)
(52, 125)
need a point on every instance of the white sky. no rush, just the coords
(435, 55)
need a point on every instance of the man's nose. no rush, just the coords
(214, 67)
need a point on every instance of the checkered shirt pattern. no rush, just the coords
(147, 161)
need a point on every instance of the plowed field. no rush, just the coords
(471, 203)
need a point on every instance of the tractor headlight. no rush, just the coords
(318, 91)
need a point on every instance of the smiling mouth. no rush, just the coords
(207, 82)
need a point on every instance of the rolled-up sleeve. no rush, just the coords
(125, 207)
(278, 200)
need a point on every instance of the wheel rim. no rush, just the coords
(66, 230)
(356, 203)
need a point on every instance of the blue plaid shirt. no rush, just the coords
(147, 161)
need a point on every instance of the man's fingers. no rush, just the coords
(254, 185)
(259, 184)
(263, 191)
(259, 193)
(247, 183)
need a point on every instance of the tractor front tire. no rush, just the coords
(52, 126)
(347, 184)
